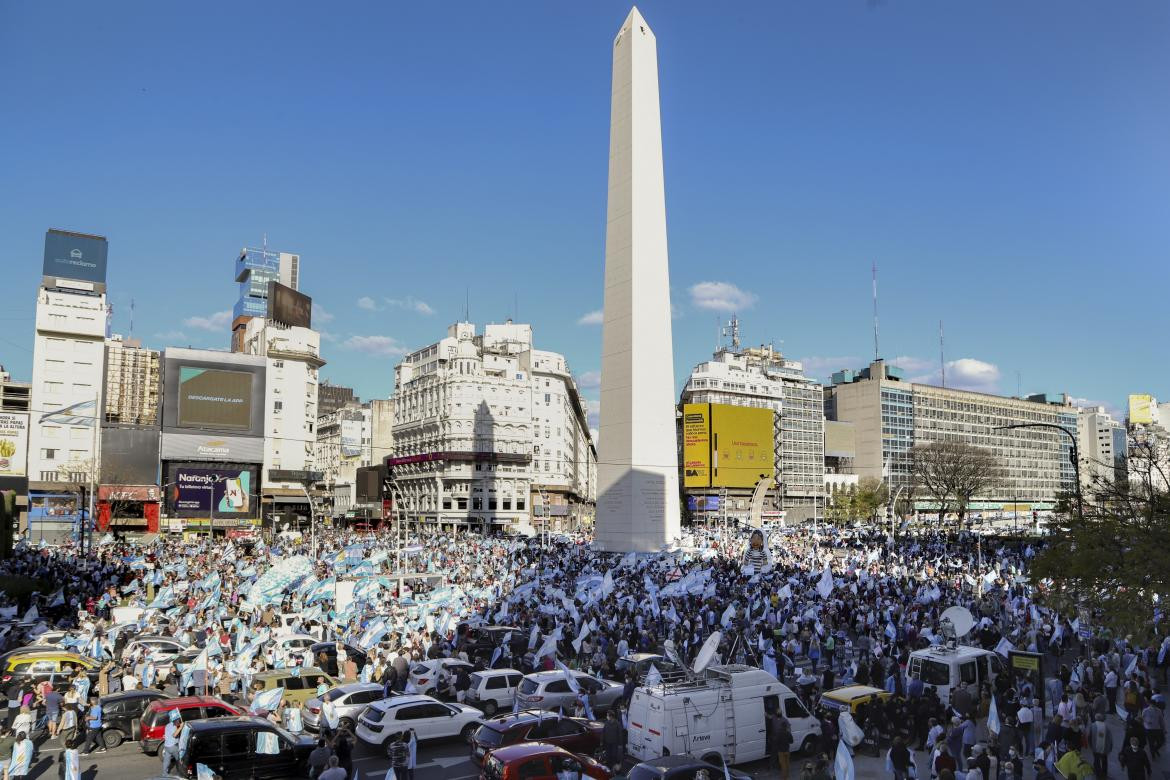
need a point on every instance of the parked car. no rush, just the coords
(299, 683)
(680, 767)
(551, 691)
(349, 699)
(242, 748)
(639, 664)
(576, 735)
(56, 666)
(295, 644)
(425, 674)
(355, 654)
(428, 717)
(158, 714)
(493, 690)
(122, 714)
(162, 649)
(538, 761)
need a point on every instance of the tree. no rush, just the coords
(952, 473)
(871, 495)
(1111, 566)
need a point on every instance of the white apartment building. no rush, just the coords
(761, 377)
(68, 363)
(294, 359)
(344, 444)
(486, 426)
(1101, 447)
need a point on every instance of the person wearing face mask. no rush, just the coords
(1135, 761)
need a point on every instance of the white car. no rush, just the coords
(493, 690)
(428, 717)
(550, 691)
(162, 649)
(295, 645)
(424, 675)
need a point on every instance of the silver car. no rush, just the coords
(550, 691)
(349, 699)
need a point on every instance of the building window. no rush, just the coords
(49, 454)
(477, 503)
(277, 406)
(278, 364)
(520, 503)
(507, 503)
(461, 503)
(446, 502)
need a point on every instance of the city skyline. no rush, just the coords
(1055, 176)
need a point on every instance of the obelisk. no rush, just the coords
(637, 470)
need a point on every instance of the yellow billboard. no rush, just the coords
(1141, 409)
(741, 445)
(696, 445)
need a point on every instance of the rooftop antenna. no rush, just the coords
(131, 318)
(942, 363)
(876, 352)
(732, 330)
(467, 304)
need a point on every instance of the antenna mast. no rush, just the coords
(131, 318)
(876, 351)
(732, 330)
(942, 363)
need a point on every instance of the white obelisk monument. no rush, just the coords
(637, 471)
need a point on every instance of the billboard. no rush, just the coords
(206, 492)
(289, 307)
(696, 433)
(202, 446)
(1142, 409)
(703, 503)
(214, 398)
(351, 438)
(129, 456)
(13, 443)
(741, 445)
(75, 256)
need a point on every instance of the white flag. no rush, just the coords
(653, 677)
(843, 763)
(993, 725)
(581, 637)
(1004, 647)
(574, 686)
(549, 647)
(825, 586)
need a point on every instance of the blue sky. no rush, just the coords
(1005, 164)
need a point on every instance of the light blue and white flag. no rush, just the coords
(843, 763)
(203, 772)
(269, 700)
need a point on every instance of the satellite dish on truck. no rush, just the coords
(955, 623)
(707, 652)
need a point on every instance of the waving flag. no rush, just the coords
(653, 677)
(549, 647)
(843, 763)
(574, 686)
(993, 724)
(373, 634)
(825, 586)
(269, 700)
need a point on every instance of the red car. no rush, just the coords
(576, 735)
(158, 714)
(537, 761)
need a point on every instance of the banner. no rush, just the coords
(13, 444)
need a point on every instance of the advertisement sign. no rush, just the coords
(703, 503)
(54, 506)
(741, 445)
(13, 443)
(1141, 409)
(75, 256)
(214, 398)
(351, 438)
(289, 307)
(195, 446)
(696, 445)
(196, 491)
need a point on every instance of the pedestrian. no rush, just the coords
(319, 758)
(613, 740)
(411, 753)
(71, 759)
(399, 754)
(782, 744)
(1134, 760)
(1154, 724)
(22, 756)
(7, 740)
(93, 728)
(343, 749)
(333, 771)
(899, 756)
(170, 746)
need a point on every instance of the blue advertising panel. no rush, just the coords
(75, 256)
(703, 503)
(193, 491)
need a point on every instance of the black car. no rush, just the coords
(680, 768)
(355, 654)
(122, 714)
(243, 748)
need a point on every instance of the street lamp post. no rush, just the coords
(1074, 456)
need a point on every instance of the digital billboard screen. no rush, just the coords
(75, 256)
(289, 307)
(214, 398)
(742, 451)
(193, 492)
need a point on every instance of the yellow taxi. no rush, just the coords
(851, 697)
(58, 667)
(300, 684)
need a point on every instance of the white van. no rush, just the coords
(720, 713)
(946, 668)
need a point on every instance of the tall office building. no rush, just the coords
(490, 431)
(255, 268)
(891, 416)
(344, 444)
(132, 382)
(761, 377)
(637, 504)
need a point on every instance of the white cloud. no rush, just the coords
(171, 335)
(411, 304)
(962, 374)
(367, 303)
(593, 412)
(216, 321)
(1112, 409)
(328, 336)
(320, 316)
(591, 318)
(721, 296)
(590, 380)
(378, 346)
(913, 365)
(595, 435)
(819, 367)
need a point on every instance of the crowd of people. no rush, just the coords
(818, 611)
